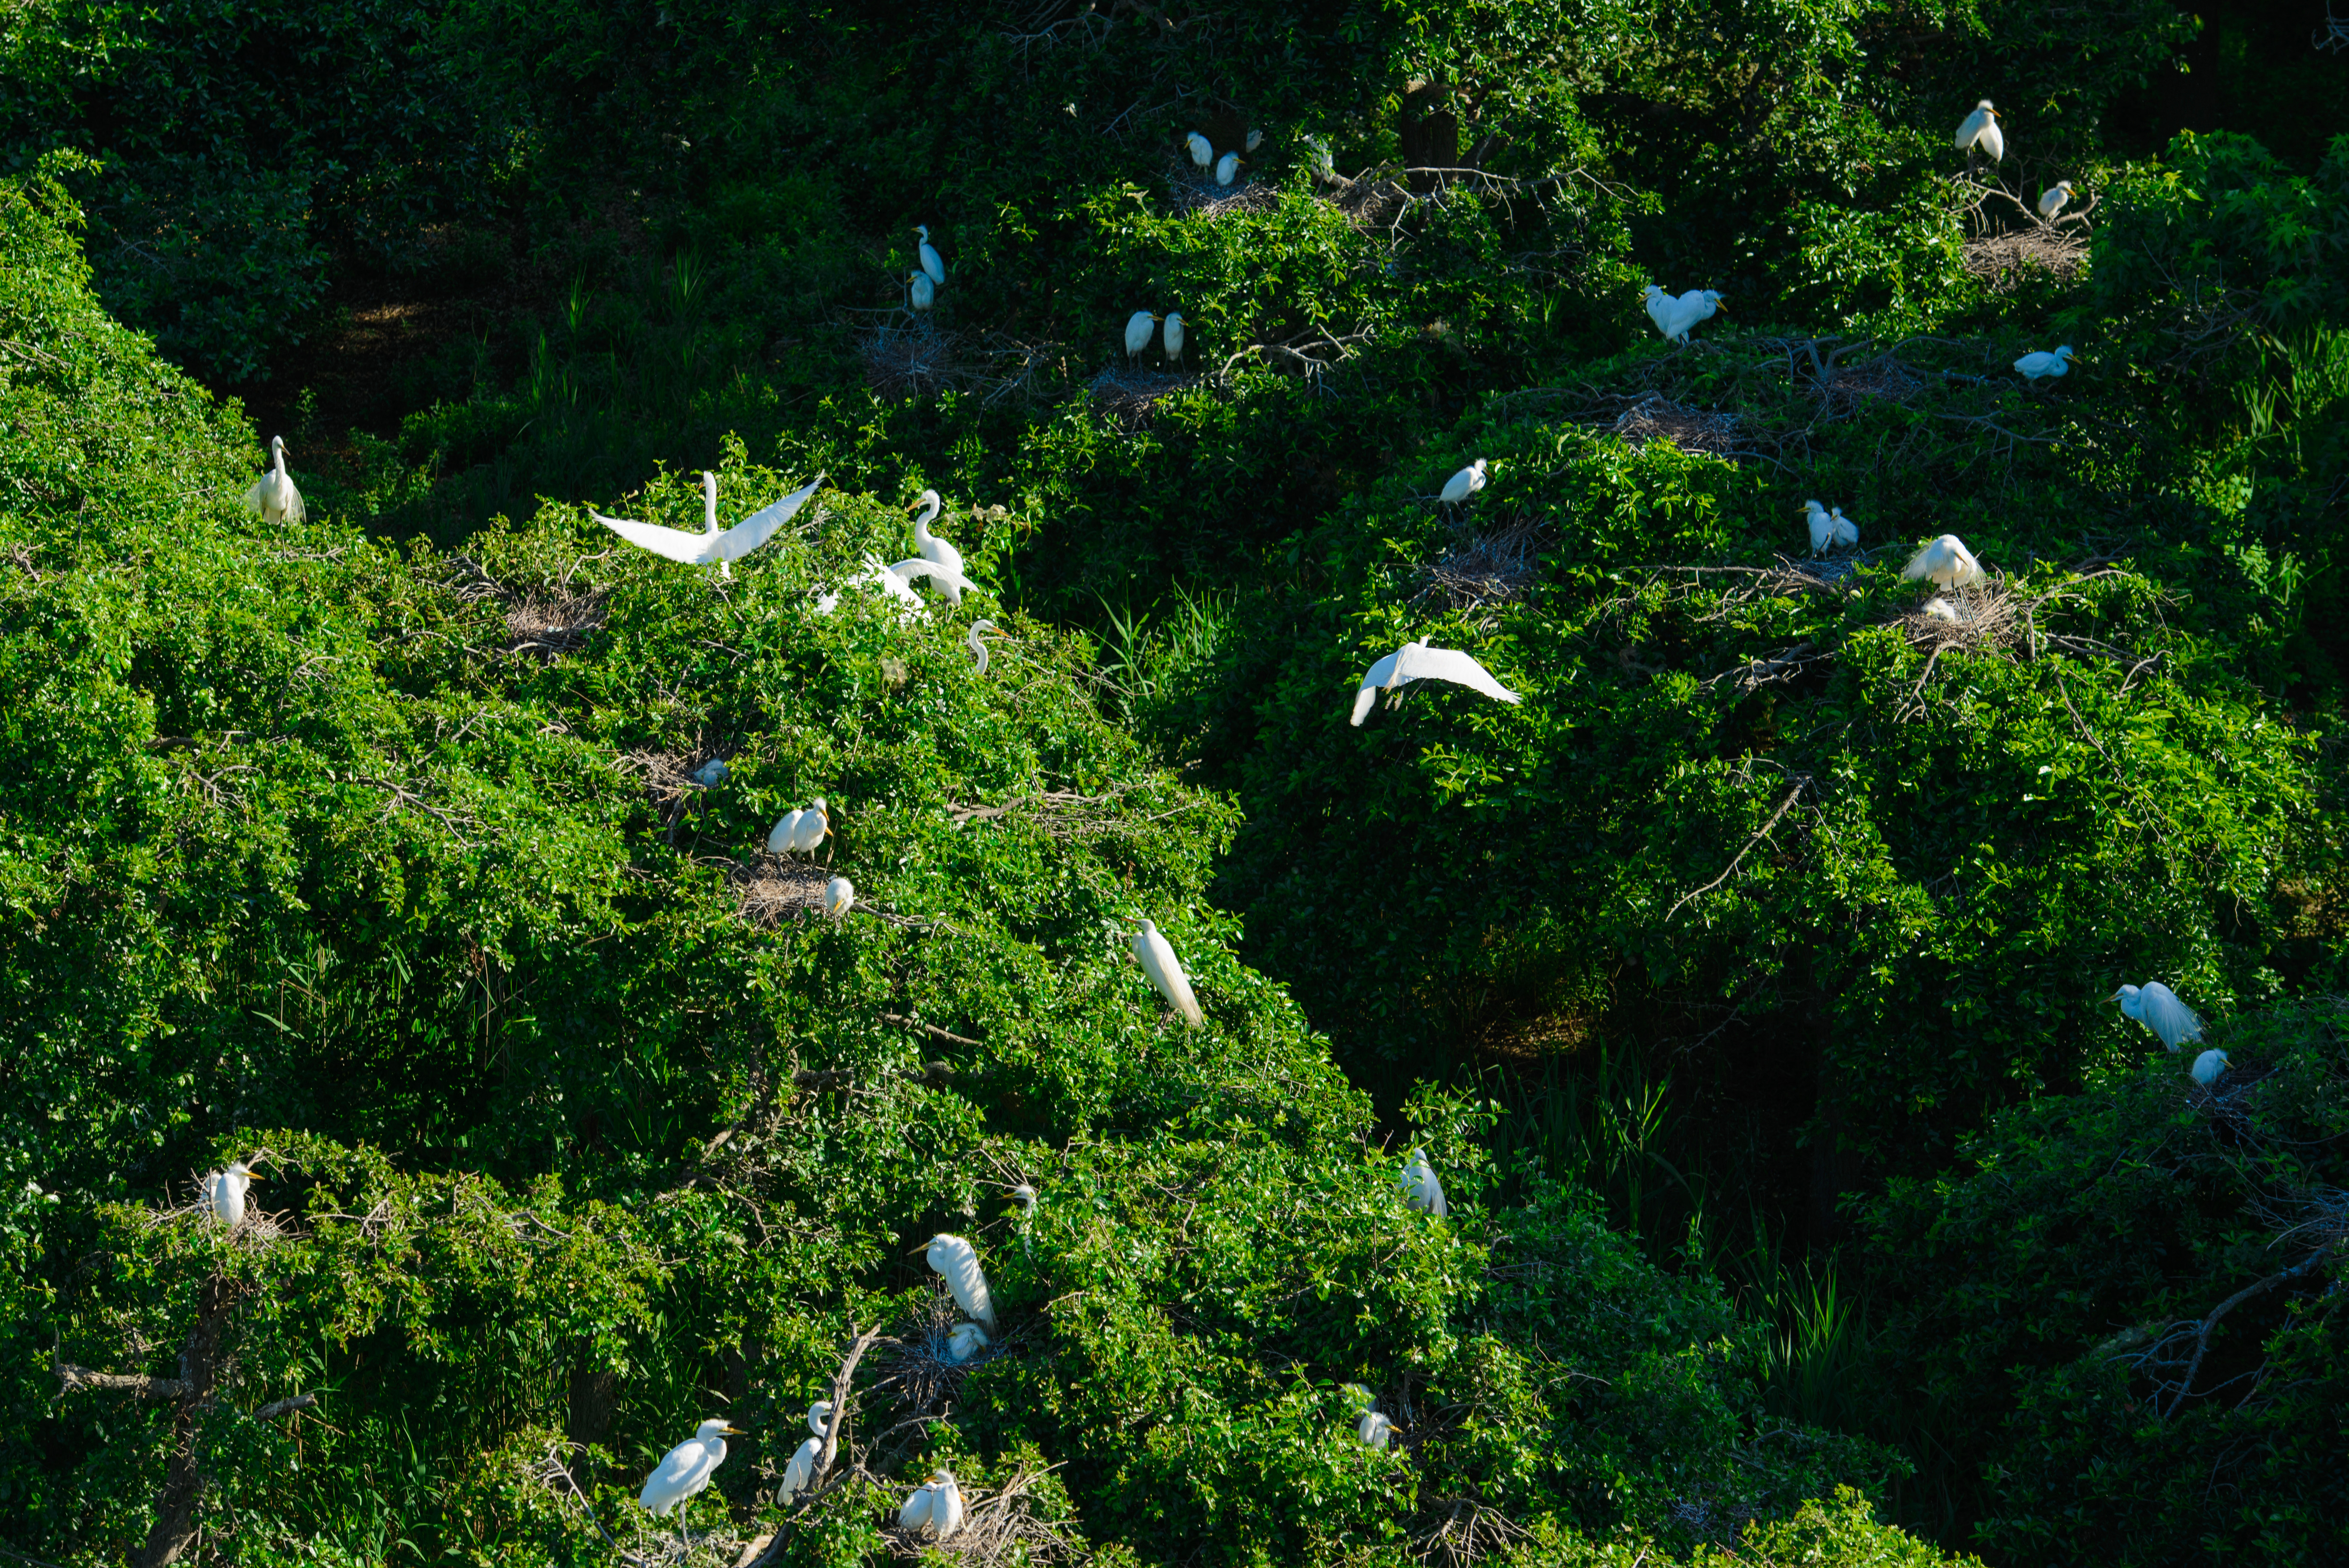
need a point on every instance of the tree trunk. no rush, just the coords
(183, 1482)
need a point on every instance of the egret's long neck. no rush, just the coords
(709, 504)
(930, 505)
(277, 450)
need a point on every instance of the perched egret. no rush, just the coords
(978, 647)
(1165, 972)
(819, 1417)
(1418, 662)
(1947, 561)
(708, 546)
(1025, 1196)
(273, 495)
(1463, 484)
(1421, 1187)
(1138, 332)
(2032, 366)
(928, 546)
(710, 774)
(800, 1472)
(1829, 529)
(2052, 199)
(1846, 530)
(2208, 1066)
(1202, 151)
(935, 268)
(1255, 141)
(957, 1261)
(1375, 1430)
(1981, 129)
(935, 1509)
(1661, 309)
(1939, 609)
(965, 1340)
(920, 293)
(1698, 304)
(839, 897)
(1227, 167)
(800, 831)
(1673, 317)
(2157, 1006)
(687, 1468)
(225, 1190)
(1175, 336)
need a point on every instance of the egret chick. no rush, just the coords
(1939, 609)
(686, 1469)
(1202, 151)
(1165, 972)
(1947, 561)
(935, 1509)
(1255, 141)
(1227, 167)
(1174, 337)
(1138, 332)
(1661, 310)
(225, 1190)
(957, 1261)
(839, 897)
(1981, 129)
(1822, 527)
(273, 495)
(2157, 1006)
(931, 264)
(710, 774)
(1463, 484)
(978, 647)
(2034, 366)
(920, 293)
(965, 1340)
(1418, 662)
(709, 544)
(2208, 1066)
(1375, 1430)
(2053, 199)
(928, 546)
(1421, 1187)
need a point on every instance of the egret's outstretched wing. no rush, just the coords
(1382, 674)
(1452, 665)
(760, 526)
(906, 571)
(2167, 1016)
(696, 549)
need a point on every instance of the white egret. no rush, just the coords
(1227, 167)
(1846, 530)
(1202, 151)
(955, 583)
(709, 544)
(978, 647)
(1661, 310)
(1025, 1196)
(1699, 304)
(1945, 561)
(1175, 336)
(1981, 129)
(1673, 317)
(710, 774)
(273, 495)
(225, 1190)
(920, 293)
(1138, 328)
(1165, 972)
(2208, 1066)
(687, 1468)
(800, 1472)
(935, 1509)
(1830, 530)
(2033, 366)
(1421, 1187)
(928, 546)
(1463, 484)
(839, 897)
(931, 264)
(800, 831)
(1939, 609)
(909, 603)
(1360, 1398)
(957, 1261)
(819, 1417)
(2157, 1006)
(965, 1340)
(2052, 199)
(1255, 141)
(1418, 662)
(1375, 1430)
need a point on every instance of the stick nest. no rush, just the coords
(2005, 261)
(1657, 418)
(1494, 567)
(772, 889)
(902, 363)
(553, 624)
(998, 1527)
(1193, 192)
(1132, 397)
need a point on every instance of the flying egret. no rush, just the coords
(2157, 1006)
(1947, 561)
(957, 1261)
(920, 293)
(2032, 366)
(979, 647)
(839, 897)
(965, 1340)
(1418, 662)
(1463, 484)
(710, 774)
(931, 264)
(2208, 1066)
(1137, 333)
(709, 544)
(1175, 336)
(1375, 1430)
(273, 495)
(225, 1190)
(1255, 141)
(1421, 1187)
(1165, 972)
(936, 1507)
(687, 1468)
(1202, 151)
(1981, 129)
(2052, 199)
(928, 546)
(1227, 167)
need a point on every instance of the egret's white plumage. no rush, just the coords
(909, 603)
(935, 1509)
(957, 1261)
(1830, 530)
(1673, 317)
(1418, 662)
(1165, 972)
(687, 1468)
(1173, 338)
(1981, 129)
(224, 1191)
(2157, 1006)
(1846, 530)
(784, 833)
(1138, 329)
(2208, 1066)
(839, 897)
(1945, 561)
(1698, 304)
(931, 264)
(1463, 484)
(2053, 199)
(920, 293)
(2032, 366)
(710, 774)
(819, 1417)
(1202, 151)
(928, 546)
(1227, 167)
(1375, 1430)
(1941, 609)
(1661, 310)
(978, 648)
(1255, 141)
(965, 1340)
(799, 1473)
(801, 833)
(955, 583)
(709, 544)
(1421, 1187)
(273, 495)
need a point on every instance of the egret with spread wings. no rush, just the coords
(702, 548)
(1418, 662)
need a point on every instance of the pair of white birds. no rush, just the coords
(2173, 1023)
(1227, 167)
(921, 287)
(800, 833)
(1673, 317)
(1138, 332)
(1830, 530)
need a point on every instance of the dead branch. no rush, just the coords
(1784, 806)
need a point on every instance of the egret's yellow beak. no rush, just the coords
(735, 1432)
